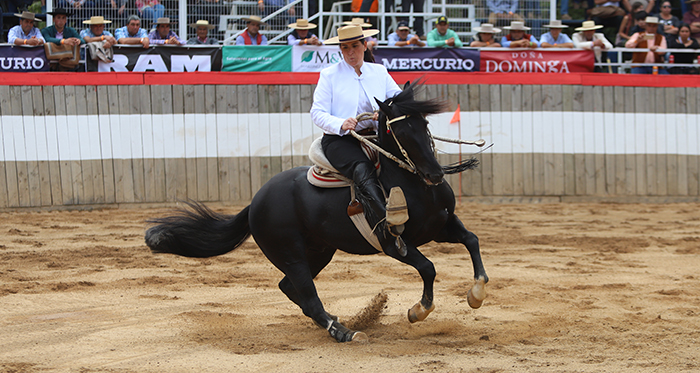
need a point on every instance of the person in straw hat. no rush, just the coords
(403, 37)
(132, 33)
(344, 90)
(555, 38)
(587, 38)
(648, 39)
(371, 40)
(302, 34)
(163, 34)
(442, 36)
(59, 33)
(692, 17)
(252, 35)
(202, 28)
(25, 33)
(517, 37)
(96, 32)
(485, 36)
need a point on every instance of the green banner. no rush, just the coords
(257, 58)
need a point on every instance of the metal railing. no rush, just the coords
(623, 66)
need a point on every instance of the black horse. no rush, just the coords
(299, 227)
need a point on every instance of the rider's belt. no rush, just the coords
(367, 132)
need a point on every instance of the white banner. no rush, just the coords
(310, 58)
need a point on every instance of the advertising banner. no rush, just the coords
(428, 59)
(537, 61)
(23, 59)
(162, 58)
(314, 58)
(257, 58)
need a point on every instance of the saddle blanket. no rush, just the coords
(323, 175)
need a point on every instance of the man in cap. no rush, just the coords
(517, 38)
(484, 36)
(403, 37)
(252, 35)
(692, 17)
(202, 28)
(442, 36)
(648, 39)
(302, 34)
(59, 33)
(163, 34)
(25, 33)
(132, 33)
(96, 32)
(555, 38)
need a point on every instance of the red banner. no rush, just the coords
(537, 61)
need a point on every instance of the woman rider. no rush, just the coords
(345, 90)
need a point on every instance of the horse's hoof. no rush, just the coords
(473, 302)
(419, 313)
(477, 294)
(360, 337)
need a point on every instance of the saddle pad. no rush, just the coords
(324, 175)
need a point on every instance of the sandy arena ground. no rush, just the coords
(574, 288)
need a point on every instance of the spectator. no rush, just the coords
(96, 32)
(59, 33)
(403, 37)
(555, 38)
(442, 36)
(150, 10)
(116, 10)
(252, 35)
(202, 28)
(301, 34)
(418, 8)
(371, 40)
(132, 33)
(82, 8)
(587, 38)
(692, 17)
(609, 13)
(683, 41)
(517, 38)
(668, 23)
(163, 34)
(25, 33)
(502, 12)
(484, 36)
(628, 21)
(652, 40)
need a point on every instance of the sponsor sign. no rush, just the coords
(314, 58)
(428, 59)
(160, 59)
(537, 61)
(257, 58)
(23, 59)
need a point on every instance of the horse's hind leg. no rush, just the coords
(318, 260)
(455, 232)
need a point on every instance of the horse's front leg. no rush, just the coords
(426, 269)
(455, 232)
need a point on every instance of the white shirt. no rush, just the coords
(339, 95)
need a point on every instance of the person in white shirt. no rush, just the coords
(587, 38)
(345, 90)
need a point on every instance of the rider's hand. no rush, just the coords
(349, 124)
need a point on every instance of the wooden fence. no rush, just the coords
(113, 144)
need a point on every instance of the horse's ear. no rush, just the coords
(408, 83)
(384, 107)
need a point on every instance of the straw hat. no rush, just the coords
(555, 23)
(255, 19)
(351, 33)
(360, 22)
(201, 22)
(302, 24)
(652, 20)
(163, 21)
(487, 28)
(588, 26)
(517, 26)
(96, 20)
(28, 15)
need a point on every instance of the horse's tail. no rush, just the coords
(198, 232)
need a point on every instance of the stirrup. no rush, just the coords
(396, 208)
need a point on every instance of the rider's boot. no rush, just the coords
(391, 220)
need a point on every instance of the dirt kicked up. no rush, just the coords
(574, 288)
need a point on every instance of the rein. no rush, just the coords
(410, 166)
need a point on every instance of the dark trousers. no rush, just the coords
(418, 8)
(344, 153)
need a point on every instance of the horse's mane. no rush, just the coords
(406, 103)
